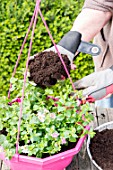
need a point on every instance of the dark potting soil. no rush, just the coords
(46, 68)
(101, 148)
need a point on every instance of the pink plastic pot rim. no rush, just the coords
(53, 158)
(44, 161)
(50, 159)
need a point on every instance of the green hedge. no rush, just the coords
(14, 21)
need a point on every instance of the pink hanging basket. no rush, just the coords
(55, 162)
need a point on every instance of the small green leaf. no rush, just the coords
(13, 80)
(2, 139)
(60, 109)
(35, 107)
(72, 139)
(60, 117)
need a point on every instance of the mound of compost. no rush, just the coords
(46, 68)
(101, 148)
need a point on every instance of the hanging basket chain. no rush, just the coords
(22, 47)
(25, 75)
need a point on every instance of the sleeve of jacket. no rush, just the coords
(101, 5)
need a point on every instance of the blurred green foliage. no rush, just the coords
(15, 17)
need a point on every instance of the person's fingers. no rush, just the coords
(83, 83)
(31, 58)
(96, 94)
(80, 84)
(86, 82)
(89, 91)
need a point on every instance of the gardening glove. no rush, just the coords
(71, 43)
(96, 85)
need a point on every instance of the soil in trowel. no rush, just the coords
(46, 68)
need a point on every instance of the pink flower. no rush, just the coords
(78, 102)
(55, 135)
(63, 140)
(45, 111)
(63, 77)
(77, 111)
(51, 97)
(41, 116)
(52, 115)
(55, 104)
(18, 100)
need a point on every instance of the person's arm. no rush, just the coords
(89, 22)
